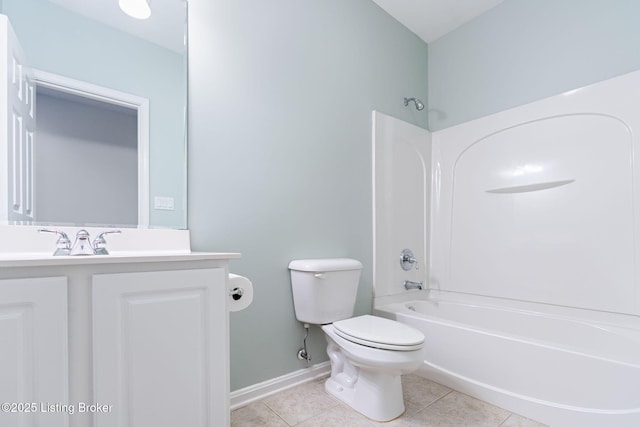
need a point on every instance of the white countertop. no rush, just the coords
(42, 259)
(24, 246)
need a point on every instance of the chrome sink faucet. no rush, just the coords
(82, 244)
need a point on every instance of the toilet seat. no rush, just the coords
(380, 333)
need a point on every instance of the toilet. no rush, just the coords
(368, 354)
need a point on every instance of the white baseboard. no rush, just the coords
(244, 396)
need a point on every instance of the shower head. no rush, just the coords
(419, 105)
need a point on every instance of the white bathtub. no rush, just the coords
(560, 366)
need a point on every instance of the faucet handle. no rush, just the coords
(63, 244)
(100, 243)
(407, 260)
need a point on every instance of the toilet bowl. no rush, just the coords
(368, 354)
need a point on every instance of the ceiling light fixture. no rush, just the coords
(138, 9)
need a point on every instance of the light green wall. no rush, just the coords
(281, 94)
(524, 50)
(61, 42)
(280, 141)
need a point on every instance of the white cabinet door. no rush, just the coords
(17, 128)
(160, 348)
(33, 352)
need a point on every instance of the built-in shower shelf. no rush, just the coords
(530, 187)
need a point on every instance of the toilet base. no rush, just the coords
(374, 393)
(376, 396)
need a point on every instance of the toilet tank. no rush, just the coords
(324, 290)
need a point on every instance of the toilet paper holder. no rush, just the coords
(239, 292)
(236, 293)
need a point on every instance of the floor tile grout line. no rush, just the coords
(437, 400)
(509, 413)
(335, 400)
(505, 420)
(277, 414)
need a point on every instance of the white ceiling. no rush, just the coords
(431, 19)
(165, 27)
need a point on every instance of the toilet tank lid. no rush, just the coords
(325, 264)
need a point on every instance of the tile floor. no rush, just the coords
(427, 404)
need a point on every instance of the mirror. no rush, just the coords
(138, 64)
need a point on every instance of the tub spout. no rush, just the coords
(408, 284)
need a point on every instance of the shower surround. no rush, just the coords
(526, 229)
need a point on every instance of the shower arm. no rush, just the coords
(418, 104)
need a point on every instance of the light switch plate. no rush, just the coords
(163, 203)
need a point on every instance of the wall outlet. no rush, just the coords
(163, 203)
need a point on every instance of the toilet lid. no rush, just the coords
(379, 332)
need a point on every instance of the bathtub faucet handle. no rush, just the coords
(407, 260)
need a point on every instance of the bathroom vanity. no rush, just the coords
(135, 338)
